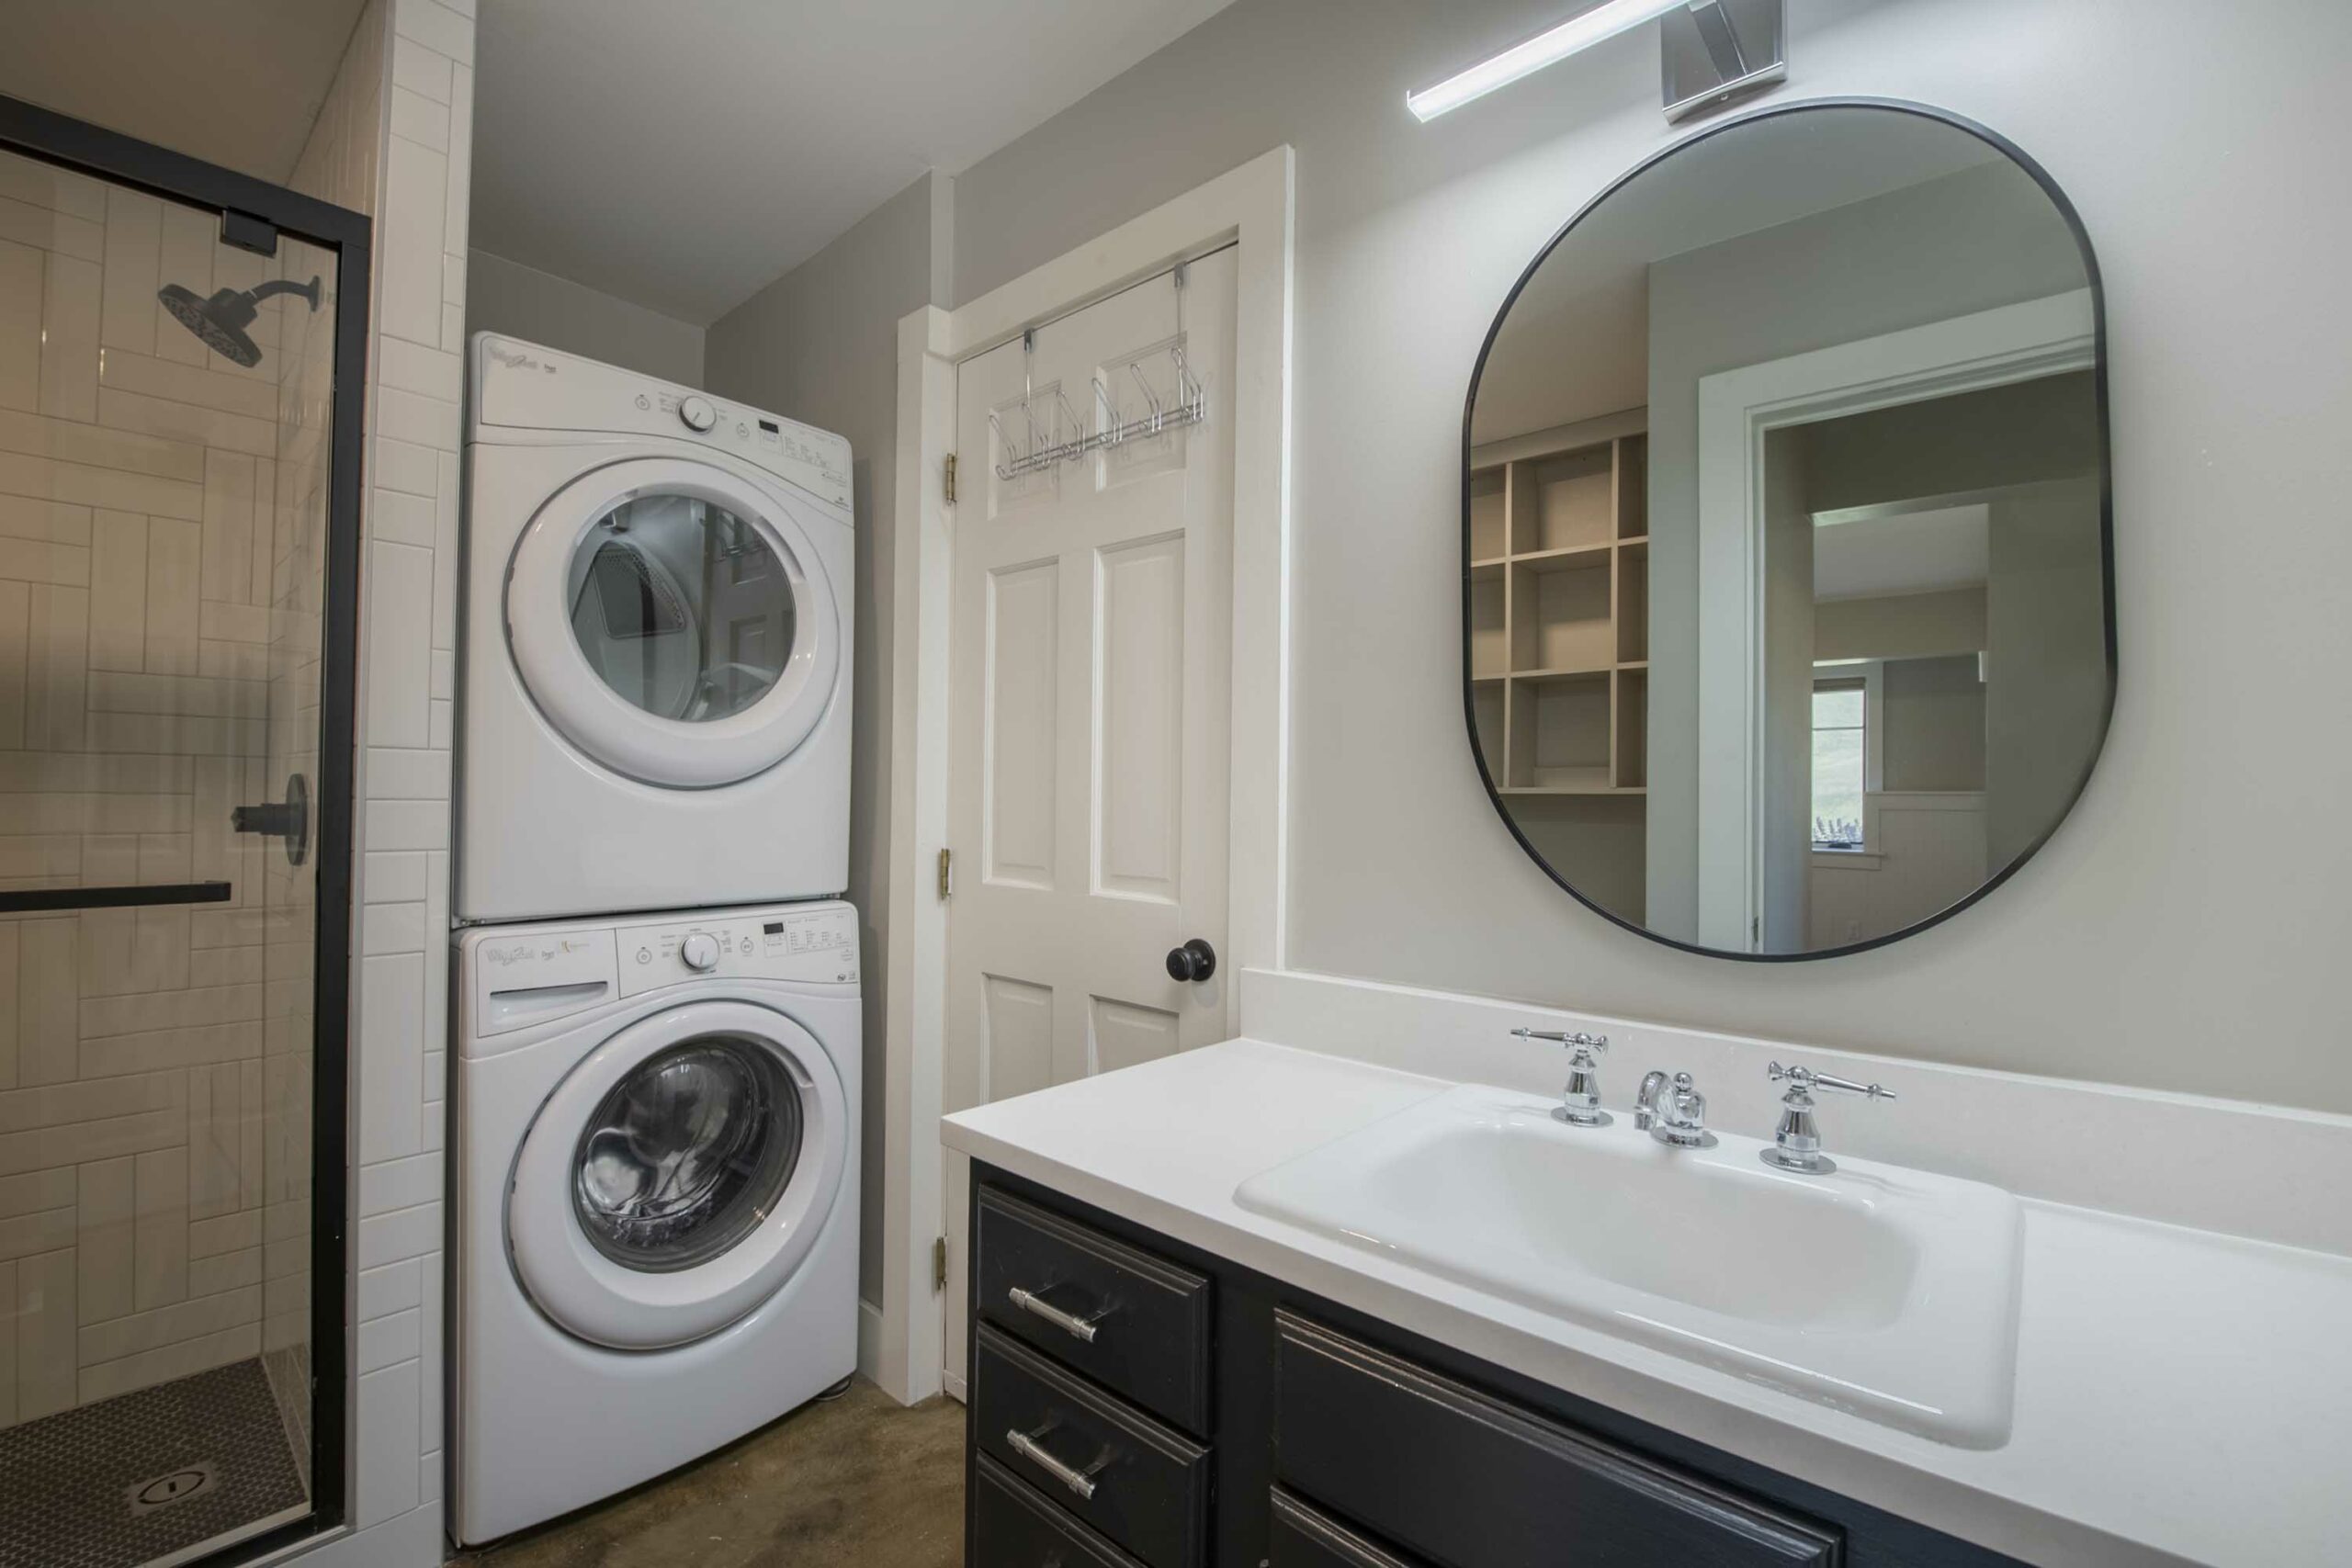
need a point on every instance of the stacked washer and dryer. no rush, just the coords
(654, 1168)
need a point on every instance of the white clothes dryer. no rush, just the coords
(655, 1182)
(656, 661)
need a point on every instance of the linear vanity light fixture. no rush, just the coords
(1711, 51)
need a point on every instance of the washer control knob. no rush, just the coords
(700, 950)
(697, 413)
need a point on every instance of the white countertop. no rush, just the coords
(2182, 1396)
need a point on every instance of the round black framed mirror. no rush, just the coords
(1788, 567)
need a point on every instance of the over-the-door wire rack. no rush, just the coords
(1114, 426)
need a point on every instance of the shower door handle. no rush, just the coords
(288, 820)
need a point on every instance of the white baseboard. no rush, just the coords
(954, 1384)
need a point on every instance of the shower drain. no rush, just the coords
(177, 1486)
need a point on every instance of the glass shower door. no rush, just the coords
(166, 424)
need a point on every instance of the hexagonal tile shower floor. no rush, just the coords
(146, 1476)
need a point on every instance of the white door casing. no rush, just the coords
(1091, 676)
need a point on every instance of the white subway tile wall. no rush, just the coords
(396, 140)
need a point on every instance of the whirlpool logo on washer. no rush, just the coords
(517, 952)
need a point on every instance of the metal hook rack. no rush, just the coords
(1114, 427)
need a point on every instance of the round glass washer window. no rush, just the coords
(680, 606)
(689, 1154)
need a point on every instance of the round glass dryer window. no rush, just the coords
(689, 1154)
(680, 606)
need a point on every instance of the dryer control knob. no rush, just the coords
(699, 951)
(697, 413)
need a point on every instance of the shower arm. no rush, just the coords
(277, 285)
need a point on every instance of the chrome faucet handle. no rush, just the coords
(1796, 1141)
(1577, 1042)
(1581, 1101)
(1803, 1079)
(1681, 1115)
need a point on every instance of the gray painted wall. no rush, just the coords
(1935, 723)
(2145, 931)
(2046, 664)
(820, 345)
(507, 297)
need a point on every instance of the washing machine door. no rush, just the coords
(673, 622)
(678, 1176)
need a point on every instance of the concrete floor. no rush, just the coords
(861, 1483)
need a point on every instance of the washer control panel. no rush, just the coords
(817, 944)
(531, 977)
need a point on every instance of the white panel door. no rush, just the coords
(1091, 753)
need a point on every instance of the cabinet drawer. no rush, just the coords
(1125, 1318)
(1142, 1485)
(1014, 1527)
(1447, 1471)
(1306, 1537)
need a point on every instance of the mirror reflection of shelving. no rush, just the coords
(1559, 614)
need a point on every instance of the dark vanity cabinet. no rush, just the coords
(1135, 1402)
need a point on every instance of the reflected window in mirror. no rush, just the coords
(1787, 576)
(1841, 735)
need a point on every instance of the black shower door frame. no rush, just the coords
(241, 200)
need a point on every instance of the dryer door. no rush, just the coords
(673, 623)
(677, 1177)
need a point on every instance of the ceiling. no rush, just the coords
(161, 71)
(1911, 552)
(682, 156)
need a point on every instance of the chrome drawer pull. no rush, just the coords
(1036, 1306)
(1027, 1446)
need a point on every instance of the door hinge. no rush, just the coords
(951, 476)
(939, 1264)
(946, 874)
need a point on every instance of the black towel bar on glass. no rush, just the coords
(57, 900)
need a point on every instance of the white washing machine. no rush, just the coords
(656, 1196)
(656, 669)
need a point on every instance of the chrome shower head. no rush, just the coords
(222, 321)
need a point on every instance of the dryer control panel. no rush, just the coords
(521, 386)
(818, 943)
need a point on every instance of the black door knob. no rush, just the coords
(1196, 960)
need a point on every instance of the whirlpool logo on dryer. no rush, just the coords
(515, 359)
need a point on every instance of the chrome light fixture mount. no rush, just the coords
(1712, 53)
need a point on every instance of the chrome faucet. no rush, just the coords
(1581, 1101)
(1796, 1143)
(1673, 1111)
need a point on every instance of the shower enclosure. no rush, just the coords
(180, 364)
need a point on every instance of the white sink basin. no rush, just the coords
(1887, 1292)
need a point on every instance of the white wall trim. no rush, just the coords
(1252, 205)
(1737, 410)
(906, 1359)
